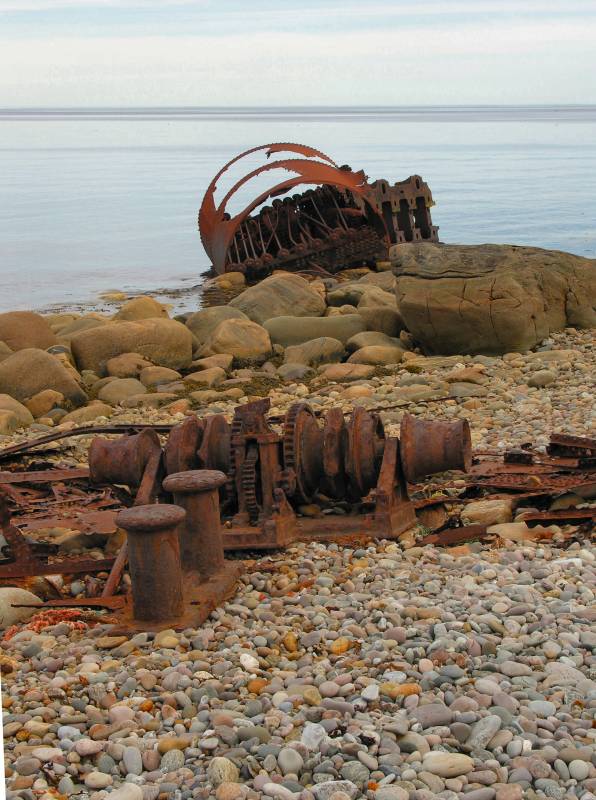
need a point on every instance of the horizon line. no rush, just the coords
(325, 107)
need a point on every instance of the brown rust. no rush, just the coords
(196, 491)
(432, 446)
(343, 221)
(154, 560)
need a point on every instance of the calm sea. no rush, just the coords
(107, 199)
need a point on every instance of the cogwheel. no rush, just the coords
(302, 452)
(248, 477)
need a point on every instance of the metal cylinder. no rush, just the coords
(154, 560)
(429, 446)
(123, 460)
(201, 545)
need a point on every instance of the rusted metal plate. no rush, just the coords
(43, 476)
(450, 536)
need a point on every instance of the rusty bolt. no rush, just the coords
(201, 545)
(154, 560)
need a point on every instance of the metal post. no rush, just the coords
(154, 560)
(201, 545)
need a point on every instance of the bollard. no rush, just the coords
(201, 545)
(154, 560)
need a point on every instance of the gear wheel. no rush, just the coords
(302, 452)
(248, 477)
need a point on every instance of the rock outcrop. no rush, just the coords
(491, 298)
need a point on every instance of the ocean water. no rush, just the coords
(107, 199)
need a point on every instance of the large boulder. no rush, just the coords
(382, 319)
(27, 372)
(377, 354)
(143, 307)
(278, 296)
(491, 298)
(22, 329)
(66, 333)
(203, 323)
(240, 338)
(296, 330)
(164, 342)
(317, 351)
(120, 389)
(21, 412)
(5, 351)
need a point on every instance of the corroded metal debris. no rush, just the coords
(261, 483)
(344, 221)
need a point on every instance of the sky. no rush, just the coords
(89, 53)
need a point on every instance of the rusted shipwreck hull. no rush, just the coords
(344, 221)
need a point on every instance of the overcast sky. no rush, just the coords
(287, 52)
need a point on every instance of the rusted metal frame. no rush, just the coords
(25, 562)
(44, 476)
(82, 431)
(217, 231)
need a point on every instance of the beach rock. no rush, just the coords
(9, 422)
(21, 330)
(491, 298)
(348, 372)
(207, 377)
(326, 789)
(288, 331)
(316, 351)
(295, 372)
(382, 319)
(164, 342)
(127, 365)
(120, 389)
(488, 512)
(447, 765)
(462, 389)
(542, 377)
(81, 416)
(30, 371)
(372, 339)
(128, 791)
(78, 326)
(143, 307)
(223, 360)
(5, 351)
(222, 770)
(155, 376)
(377, 355)
(280, 295)
(20, 411)
(203, 323)
(44, 401)
(240, 338)
(375, 297)
(9, 615)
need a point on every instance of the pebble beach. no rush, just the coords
(383, 670)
